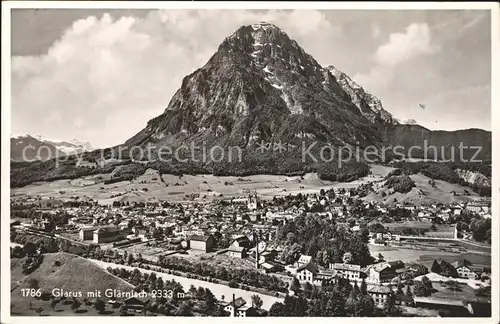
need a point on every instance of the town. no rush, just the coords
(329, 253)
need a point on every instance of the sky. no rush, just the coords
(100, 75)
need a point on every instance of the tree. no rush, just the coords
(399, 290)
(308, 289)
(210, 302)
(53, 303)
(365, 307)
(380, 257)
(353, 299)
(18, 252)
(277, 309)
(481, 230)
(389, 307)
(75, 304)
(419, 290)
(347, 258)
(33, 283)
(29, 248)
(295, 285)
(130, 259)
(335, 306)
(256, 301)
(408, 292)
(185, 309)
(427, 283)
(326, 258)
(363, 289)
(99, 306)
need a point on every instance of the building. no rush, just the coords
(242, 241)
(307, 272)
(253, 202)
(133, 305)
(203, 243)
(404, 300)
(87, 233)
(384, 271)
(380, 294)
(236, 251)
(478, 206)
(85, 164)
(347, 271)
(465, 269)
(237, 307)
(303, 260)
(107, 235)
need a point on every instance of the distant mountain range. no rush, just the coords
(42, 149)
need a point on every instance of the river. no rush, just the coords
(217, 289)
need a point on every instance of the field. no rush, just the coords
(424, 193)
(150, 186)
(426, 257)
(444, 231)
(406, 255)
(408, 224)
(148, 252)
(72, 273)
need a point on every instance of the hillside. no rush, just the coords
(446, 142)
(29, 148)
(73, 274)
(423, 192)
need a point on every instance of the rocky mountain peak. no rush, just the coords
(369, 105)
(260, 85)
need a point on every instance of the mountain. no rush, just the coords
(261, 85)
(43, 149)
(369, 105)
(29, 148)
(447, 143)
(71, 147)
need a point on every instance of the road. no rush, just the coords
(217, 289)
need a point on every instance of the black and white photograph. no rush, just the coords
(236, 159)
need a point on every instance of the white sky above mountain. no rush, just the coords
(100, 75)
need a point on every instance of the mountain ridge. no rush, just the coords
(48, 148)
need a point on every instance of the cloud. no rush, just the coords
(415, 41)
(104, 78)
(375, 31)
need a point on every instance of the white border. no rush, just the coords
(5, 117)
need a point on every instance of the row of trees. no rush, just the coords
(178, 303)
(241, 276)
(341, 299)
